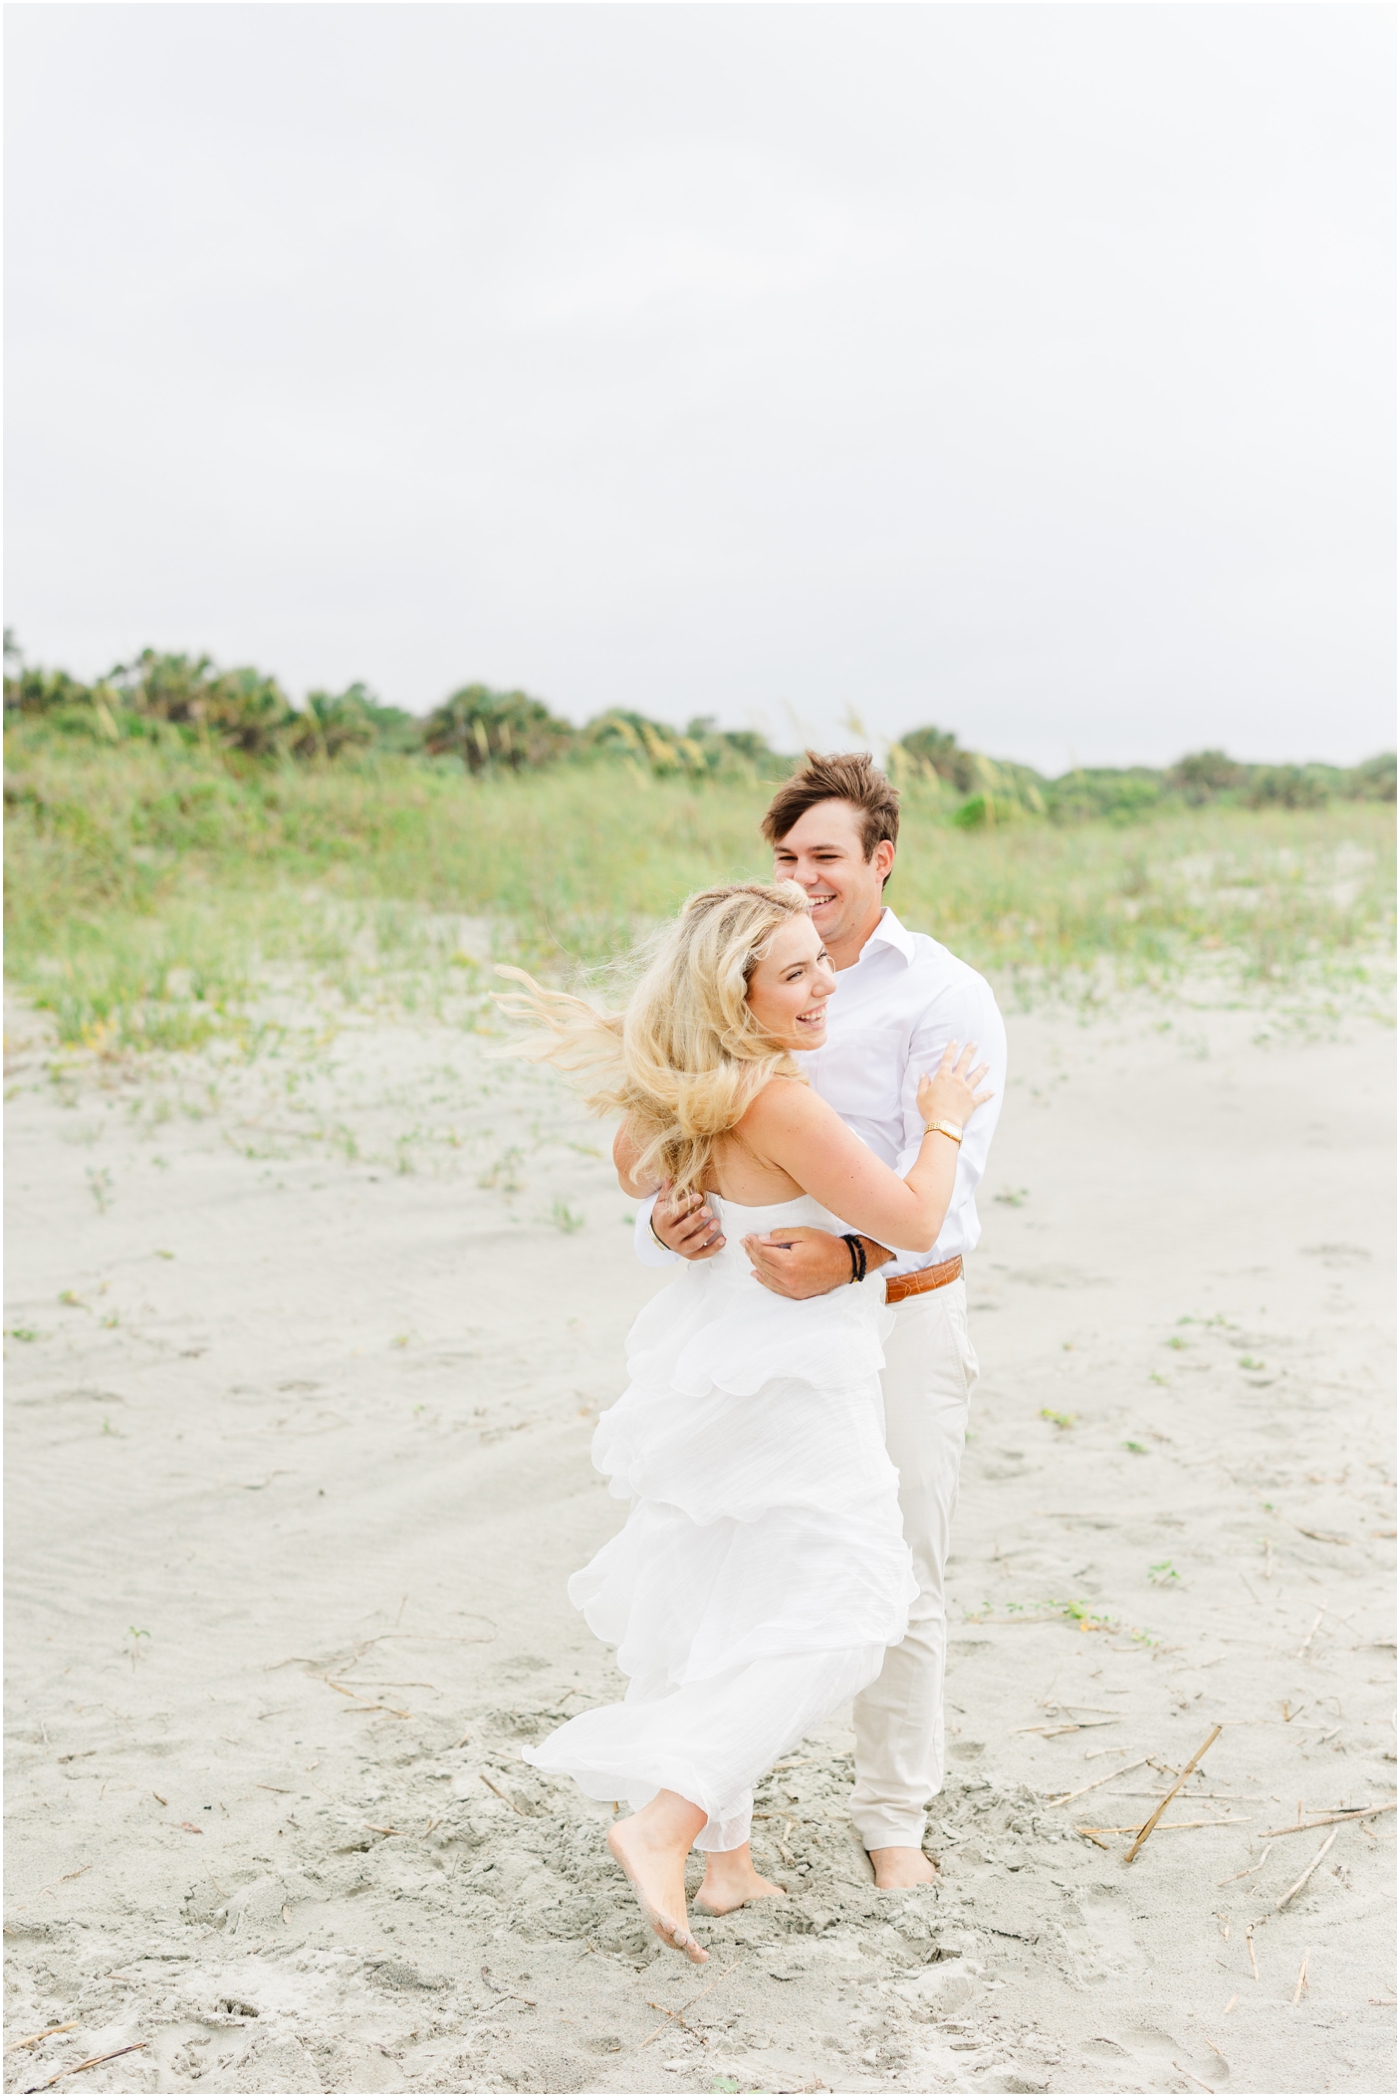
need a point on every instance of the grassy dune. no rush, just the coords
(151, 889)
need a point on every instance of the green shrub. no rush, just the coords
(1287, 786)
(1205, 774)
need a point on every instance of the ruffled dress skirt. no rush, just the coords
(762, 1570)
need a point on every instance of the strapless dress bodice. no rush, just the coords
(739, 1220)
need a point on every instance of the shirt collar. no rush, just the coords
(890, 933)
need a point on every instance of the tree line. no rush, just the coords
(247, 718)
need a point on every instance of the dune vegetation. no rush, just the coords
(175, 833)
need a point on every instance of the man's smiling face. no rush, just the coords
(824, 852)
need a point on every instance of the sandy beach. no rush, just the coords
(305, 1351)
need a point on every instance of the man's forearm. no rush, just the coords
(801, 1261)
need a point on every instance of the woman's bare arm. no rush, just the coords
(625, 1154)
(791, 1127)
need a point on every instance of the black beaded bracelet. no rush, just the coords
(856, 1248)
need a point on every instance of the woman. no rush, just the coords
(762, 1570)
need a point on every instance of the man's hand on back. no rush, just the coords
(687, 1226)
(801, 1262)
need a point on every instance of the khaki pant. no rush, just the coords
(930, 1370)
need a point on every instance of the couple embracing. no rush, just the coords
(807, 1095)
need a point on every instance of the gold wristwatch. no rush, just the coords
(944, 1128)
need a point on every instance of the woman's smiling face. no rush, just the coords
(790, 986)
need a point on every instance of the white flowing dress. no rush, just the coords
(762, 1570)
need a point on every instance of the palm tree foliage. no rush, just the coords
(486, 729)
(334, 723)
(34, 691)
(240, 709)
(938, 751)
(249, 720)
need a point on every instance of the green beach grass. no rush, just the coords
(151, 887)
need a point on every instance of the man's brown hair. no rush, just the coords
(849, 777)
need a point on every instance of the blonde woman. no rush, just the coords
(762, 1570)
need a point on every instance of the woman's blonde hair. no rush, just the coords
(685, 1057)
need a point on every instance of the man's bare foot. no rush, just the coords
(730, 1880)
(652, 1846)
(896, 1868)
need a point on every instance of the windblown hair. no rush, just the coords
(850, 776)
(685, 1058)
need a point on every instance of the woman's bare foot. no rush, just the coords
(898, 1867)
(652, 1846)
(730, 1880)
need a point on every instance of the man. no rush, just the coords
(899, 999)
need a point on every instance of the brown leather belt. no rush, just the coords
(922, 1279)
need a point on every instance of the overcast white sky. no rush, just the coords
(1024, 369)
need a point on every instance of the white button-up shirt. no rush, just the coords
(891, 1016)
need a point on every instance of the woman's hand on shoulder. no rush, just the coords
(951, 1093)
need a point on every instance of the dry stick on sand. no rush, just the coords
(1299, 1884)
(1309, 1639)
(1249, 1947)
(53, 2029)
(1229, 2005)
(503, 1796)
(1147, 1828)
(95, 2062)
(678, 2016)
(1192, 2078)
(1193, 1798)
(1112, 1777)
(1071, 1725)
(1251, 1871)
(1169, 1827)
(1302, 1977)
(1325, 1820)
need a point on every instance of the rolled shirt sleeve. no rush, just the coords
(644, 1243)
